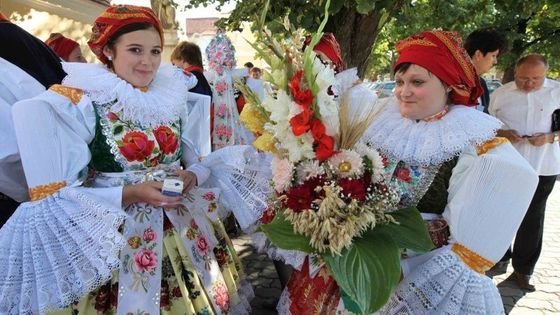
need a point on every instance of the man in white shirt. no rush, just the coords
(525, 106)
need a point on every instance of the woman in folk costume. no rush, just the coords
(446, 160)
(98, 235)
(67, 49)
(226, 127)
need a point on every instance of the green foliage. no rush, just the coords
(368, 271)
(530, 26)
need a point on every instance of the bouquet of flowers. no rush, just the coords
(331, 198)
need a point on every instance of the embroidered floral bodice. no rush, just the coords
(124, 145)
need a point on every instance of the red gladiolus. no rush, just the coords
(324, 147)
(300, 122)
(317, 128)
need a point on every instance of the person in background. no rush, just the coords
(67, 49)
(27, 68)
(256, 73)
(525, 106)
(484, 46)
(187, 55)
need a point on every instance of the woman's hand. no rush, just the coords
(511, 135)
(150, 193)
(189, 180)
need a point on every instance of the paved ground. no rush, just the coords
(546, 300)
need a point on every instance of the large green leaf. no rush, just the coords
(281, 233)
(411, 232)
(368, 271)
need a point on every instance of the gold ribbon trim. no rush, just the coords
(488, 145)
(472, 259)
(74, 95)
(42, 191)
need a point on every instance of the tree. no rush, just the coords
(531, 26)
(356, 23)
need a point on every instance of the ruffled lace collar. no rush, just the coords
(162, 103)
(429, 143)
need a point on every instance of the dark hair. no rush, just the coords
(124, 30)
(249, 64)
(189, 52)
(532, 59)
(402, 68)
(486, 40)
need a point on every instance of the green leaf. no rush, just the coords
(118, 129)
(119, 143)
(368, 271)
(411, 232)
(281, 233)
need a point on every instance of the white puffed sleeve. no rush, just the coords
(15, 85)
(53, 136)
(488, 196)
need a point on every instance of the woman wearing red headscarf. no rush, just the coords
(103, 234)
(67, 49)
(471, 187)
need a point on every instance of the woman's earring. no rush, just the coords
(109, 58)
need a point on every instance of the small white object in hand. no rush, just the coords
(172, 187)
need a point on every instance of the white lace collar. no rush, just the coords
(163, 103)
(429, 143)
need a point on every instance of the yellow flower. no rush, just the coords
(266, 143)
(191, 235)
(252, 119)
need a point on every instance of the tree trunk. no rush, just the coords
(356, 34)
(517, 49)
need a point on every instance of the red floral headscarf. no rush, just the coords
(113, 19)
(442, 54)
(61, 45)
(330, 47)
(3, 17)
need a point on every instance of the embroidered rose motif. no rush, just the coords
(221, 296)
(149, 235)
(134, 242)
(136, 146)
(223, 131)
(177, 292)
(222, 110)
(166, 139)
(202, 244)
(145, 260)
(209, 196)
(403, 174)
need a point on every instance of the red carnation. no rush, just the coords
(136, 146)
(354, 187)
(301, 197)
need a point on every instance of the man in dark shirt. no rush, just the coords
(484, 46)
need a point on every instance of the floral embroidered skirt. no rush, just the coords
(176, 261)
